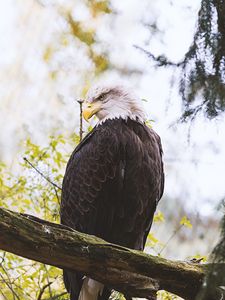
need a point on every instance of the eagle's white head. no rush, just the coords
(110, 102)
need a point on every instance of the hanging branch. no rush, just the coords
(160, 60)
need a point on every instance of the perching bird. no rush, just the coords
(113, 181)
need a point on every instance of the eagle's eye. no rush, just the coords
(101, 97)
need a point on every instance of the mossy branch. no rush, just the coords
(131, 272)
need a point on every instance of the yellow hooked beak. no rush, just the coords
(89, 109)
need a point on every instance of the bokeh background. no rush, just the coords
(51, 54)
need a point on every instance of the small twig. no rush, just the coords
(57, 196)
(42, 175)
(42, 290)
(3, 295)
(161, 60)
(9, 283)
(56, 296)
(169, 239)
(81, 118)
(3, 258)
(48, 281)
(29, 267)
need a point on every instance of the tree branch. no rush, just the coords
(128, 271)
(42, 175)
(43, 290)
(81, 118)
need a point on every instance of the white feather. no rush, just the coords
(91, 289)
(119, 102)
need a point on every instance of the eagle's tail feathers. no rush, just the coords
(91, 289)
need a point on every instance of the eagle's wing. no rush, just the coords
(91, 179)
(90, 167)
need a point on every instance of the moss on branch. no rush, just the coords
(132, 272)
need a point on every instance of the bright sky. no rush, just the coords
(32, 105)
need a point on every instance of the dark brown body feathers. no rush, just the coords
(113, 182)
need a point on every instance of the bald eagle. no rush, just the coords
(113, 180)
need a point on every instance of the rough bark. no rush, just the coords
(131, 272)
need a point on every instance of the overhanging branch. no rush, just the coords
(129, 271)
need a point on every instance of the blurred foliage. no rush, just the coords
(84, 34)
(116, 296)
(29, 192)
(163, 295)
(202, 82)
(204, 65)
(153, 243)
(98, 7)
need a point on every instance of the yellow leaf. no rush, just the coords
(85, 89)
(148, 123)
(152, 238)
(100, 61)
(48, 54)
(86, 36)
(163, 295)
(159, 217)
(64, 41)
(186, 222)
(53, 75)
(98, 7)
